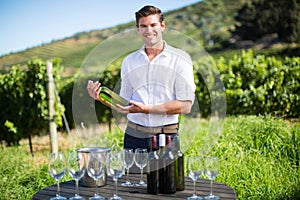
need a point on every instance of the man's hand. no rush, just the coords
(169, 108)
(94, 89)
(134, 107)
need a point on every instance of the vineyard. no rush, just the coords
(254, 86)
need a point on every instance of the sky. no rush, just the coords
(28, 23)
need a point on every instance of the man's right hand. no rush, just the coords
(94, 89)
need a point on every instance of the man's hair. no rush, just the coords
(146, 11)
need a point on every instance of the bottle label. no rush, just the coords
(111, 97)
(162, 140)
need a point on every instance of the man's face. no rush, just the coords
(150, 29)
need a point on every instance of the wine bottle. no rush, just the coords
(161, 152)
(153, 170)
(179, 165)
(108, 96)
(167, 173)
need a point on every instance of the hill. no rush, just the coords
(207, 22)
(73, 50)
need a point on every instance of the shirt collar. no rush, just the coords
(164, 52)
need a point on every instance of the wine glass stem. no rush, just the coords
(141, 180)
(96, 194)
(77, 191)
(194, 187)
(58, 189)
(128, 175)
(211, 187)
(116, 187)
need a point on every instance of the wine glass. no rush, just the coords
(76, 170)
(212, 169)
(57, 169)
(115, 170)
(195, 169)
(95, 169)
(140, 160)
(128, 160)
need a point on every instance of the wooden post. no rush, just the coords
(51, 101)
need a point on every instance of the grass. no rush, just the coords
(259, 157)
(19, 178)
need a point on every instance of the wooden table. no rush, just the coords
(134, 193)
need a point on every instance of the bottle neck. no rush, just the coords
(153, 144)
(169, 141)
(177, 144)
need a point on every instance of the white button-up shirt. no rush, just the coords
(168, 77)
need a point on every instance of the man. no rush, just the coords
(156, 79)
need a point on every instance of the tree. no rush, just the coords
(260, 17)
(212, 18)
(289, 20)
(24, 103)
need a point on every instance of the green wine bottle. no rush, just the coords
(111, 97)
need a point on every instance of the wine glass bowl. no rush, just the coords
(96, 169)
(128, 161)
(212, 169)
(140, 160)
(76, 170)
(195, 169)
(57, 169)
(115, 169)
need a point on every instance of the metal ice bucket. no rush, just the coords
(86, 180)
